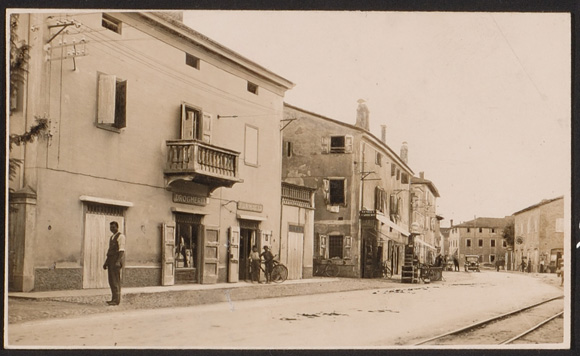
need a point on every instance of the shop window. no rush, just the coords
(335, 246)
(111, 102)
(111, 23)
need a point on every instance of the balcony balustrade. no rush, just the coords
(202, 163)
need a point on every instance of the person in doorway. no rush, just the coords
(115, 262)
(255, 261)
(182, 252)
(269, 262)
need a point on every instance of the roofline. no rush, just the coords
(473, 223)
(210, 45)
(429, 183)
(538, 205)
(352, 127)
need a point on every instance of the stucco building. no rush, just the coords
(539, 235)
(362, 213)
(152, 125)
(424, 214)
(482, 237)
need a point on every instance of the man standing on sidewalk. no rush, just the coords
(115, 262)
(269, 262)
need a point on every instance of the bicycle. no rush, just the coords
(383, 271)
(279, 272)
(325, 268)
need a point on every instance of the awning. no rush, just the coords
(391, 224)
(251, 217)
(424, 243)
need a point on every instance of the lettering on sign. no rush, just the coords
(250, 207)
(367, 214)
(189, 199)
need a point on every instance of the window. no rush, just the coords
(404, 178)
(393, 170)
(398, 174)
(492, 230)
(192, 61)
(252, 88)
(468, 243)
(480, 243)
(492, 258)
(335, 246)
(111, 23)
(504, 243)
(337, 144)
(190, 123)
(492, 243)
(336, 192)
(251, 146)
(480, 229)
(111, 102)
(288, 149)
(468, 230)
(380, 199)
(378, 159)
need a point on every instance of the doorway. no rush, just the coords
(248, 238)
(187, 240)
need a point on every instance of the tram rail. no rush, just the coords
(489, 321)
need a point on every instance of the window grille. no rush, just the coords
(335, 246)
(105, 209)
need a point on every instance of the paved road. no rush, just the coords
(373, 318)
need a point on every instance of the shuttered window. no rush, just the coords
(112, 101)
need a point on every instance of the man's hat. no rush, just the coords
(265, 247)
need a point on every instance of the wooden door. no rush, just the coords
(234, 254)
(96, 244)
(295, 255)
(210, 256)
(168, 254)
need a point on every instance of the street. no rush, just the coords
(373, 318)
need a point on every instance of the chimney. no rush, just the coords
(422, 175)
(362, 115)
(384, 133)
(405, 152)
(451, 222)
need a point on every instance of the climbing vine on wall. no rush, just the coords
(19, 56)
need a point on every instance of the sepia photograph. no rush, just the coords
(288, 180)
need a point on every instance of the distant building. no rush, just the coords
(445, 241)
(482, 237)
(362, 213)
(539, 235)
(423, 213)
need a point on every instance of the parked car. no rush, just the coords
(471, 263)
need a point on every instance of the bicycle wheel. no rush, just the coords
(331, 270)
(279, 273)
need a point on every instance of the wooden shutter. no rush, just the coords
(206, 127)
(106, 99)
(234, 254)
(168, 254)
(326, 190)
(325, 144)
(188, 123)
(210, 256)
(348, 143)
(323, 246)
(347, 247)
(121, 104)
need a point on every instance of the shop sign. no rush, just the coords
(368, 214)
(189, 199)
(250, 207)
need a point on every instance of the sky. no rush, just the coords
(482, 99)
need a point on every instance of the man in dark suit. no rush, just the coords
(115, 262)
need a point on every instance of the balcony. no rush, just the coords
(200, 162)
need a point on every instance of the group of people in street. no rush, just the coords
(256, 260)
